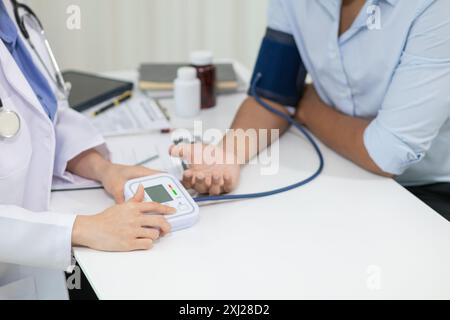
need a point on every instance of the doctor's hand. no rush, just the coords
(211, 170)
(115, 176)
(134, 225)
(92, 165)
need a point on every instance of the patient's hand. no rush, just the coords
(211, 170)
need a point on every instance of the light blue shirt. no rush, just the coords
(393, 66)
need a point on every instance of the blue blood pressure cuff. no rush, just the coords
(280, 69)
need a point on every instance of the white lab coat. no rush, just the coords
(35, 244)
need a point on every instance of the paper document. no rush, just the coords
(79, 183)
(137, 115)
(128, 152)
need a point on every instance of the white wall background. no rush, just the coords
(120, 34)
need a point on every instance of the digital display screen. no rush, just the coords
(158, 194)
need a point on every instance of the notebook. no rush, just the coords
(160, 76)
(89, 90)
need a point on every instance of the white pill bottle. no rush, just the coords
(187, 93)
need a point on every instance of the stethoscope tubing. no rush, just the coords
(57, 77)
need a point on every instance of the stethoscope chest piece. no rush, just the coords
(9, 123)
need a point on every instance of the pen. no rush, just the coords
(163, 110)
(166, 115)
(148, 160)
(125, 96)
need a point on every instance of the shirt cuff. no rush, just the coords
(389, 152)
(66, 221)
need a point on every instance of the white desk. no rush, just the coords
(349, 234)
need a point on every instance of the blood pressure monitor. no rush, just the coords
(167, 190)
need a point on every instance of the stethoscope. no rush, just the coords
(10, 122)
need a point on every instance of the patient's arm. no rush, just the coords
(253, 116)
(237, 145)
(344, 134)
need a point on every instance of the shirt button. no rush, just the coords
(412, 157)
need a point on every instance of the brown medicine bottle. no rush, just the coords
(206, 73)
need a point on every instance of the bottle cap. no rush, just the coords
(201, 58)
(187, 73)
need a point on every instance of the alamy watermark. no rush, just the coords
(234, 151)
(73, 21)
(374, 278)
(73, 281)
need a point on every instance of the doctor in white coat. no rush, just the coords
(53, 140)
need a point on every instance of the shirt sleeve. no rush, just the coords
(277, 18)
(36, 239)
(417, 103)
(74, 135)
